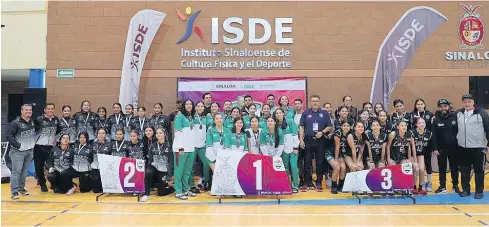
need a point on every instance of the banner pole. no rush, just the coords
(98, 196)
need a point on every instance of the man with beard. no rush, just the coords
(445, 129)
(248, 100)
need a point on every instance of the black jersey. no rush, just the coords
(422, 142)
(82, 157)
(343, 142)
(386, 127)
(338, 122)
(396, 117)
(359, 145)
(376, 144)
(116, 122)
(101, 123)
(67, 125)
(139, 124)
(426, 115)
(119, 148)
(99, 148)
(136, 150)
(85, 122)
(400, 146)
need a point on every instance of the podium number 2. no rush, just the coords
(129, 166)
(387, 181)
(258, 166)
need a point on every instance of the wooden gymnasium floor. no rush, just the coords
(303, 209)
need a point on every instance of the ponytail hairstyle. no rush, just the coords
(277, 139)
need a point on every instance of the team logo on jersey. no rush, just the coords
(428, 117)
(309, 116)
(453, 123)
(471, 28)
(321, 115)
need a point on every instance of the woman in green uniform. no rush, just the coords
(229, 122)
(291, 147)
(266, 114)
(200, 122)
(215, 107)
(184, 146)
(218, 137)
(289, 112)
(239, 138)
(247, 118)
(272, 139)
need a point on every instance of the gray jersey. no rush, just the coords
(59, 159)
(21, 134)
(82, 158)
(46, 129)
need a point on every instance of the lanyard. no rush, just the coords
(159, 148)
(256, 136)
(99, 145)
(118, 148)
(104, 124)
(238, 140)
(65, 122)
(220, 137)
(117, 119)
(191, 122)
(86, 120)
(128, 121)
(270, 137)
(141, 124)
(80, 147)
(200, 121)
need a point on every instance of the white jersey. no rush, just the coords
(254, 141)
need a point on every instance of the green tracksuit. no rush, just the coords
(184, 139)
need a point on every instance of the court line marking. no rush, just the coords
(232, 214)
(482, 222)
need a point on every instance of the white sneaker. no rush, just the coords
(144, 198)
(181, 196)
(191, 194)
(429, 186)
(328, 182)
(71, 191)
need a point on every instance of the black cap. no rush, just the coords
(443, 101)
(467, 96)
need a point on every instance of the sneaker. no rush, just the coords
(295, 191)
(456, 190)
(334, 190)
(429, 186)
(181, 196)
(207, 187)
(24, 192)
(422, 192)
(414, 192)
(464, 194)
(15, 196)
(328, 182)
(144, 198)
(304, 188)
(71, 191)
(441, 190)
(195, 190)
(479, 195)
(319, 189)
(44, 188)
(190, 194)
(311, 186)
(201, 186)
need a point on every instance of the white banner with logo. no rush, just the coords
(142, 29)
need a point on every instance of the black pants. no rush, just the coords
(153, 177)
(427, 163)
(84, 179)
(96, 181)
(472, 157)
(314, 149)
(452, 157)
(41, 154)
(300, 164)
(61, 182)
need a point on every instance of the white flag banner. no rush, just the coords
(142, 29)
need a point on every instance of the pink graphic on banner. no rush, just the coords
(390, 179)
(131, 175)
(235, 89)
(273, 182)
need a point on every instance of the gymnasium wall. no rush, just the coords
(335, 47)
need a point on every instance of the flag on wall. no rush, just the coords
(142, 30)
(398, 49)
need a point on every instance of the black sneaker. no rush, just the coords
(15, 196)
(456, 190)
(441, 190)
(479, 195)
(464, 194)
(195, 190)
(44, 188)
(24, 192)
(334, 190)
(311, 186)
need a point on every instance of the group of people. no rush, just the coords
(339, 141)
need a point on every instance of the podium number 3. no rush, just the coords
(387, 181)
(258, 166)
(129, 167)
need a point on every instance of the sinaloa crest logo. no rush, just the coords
(471, 28)
(190, 18)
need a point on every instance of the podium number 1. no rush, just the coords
(387, 181)
(129, 166)
(258, 166)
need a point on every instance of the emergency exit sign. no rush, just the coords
(65, 73)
